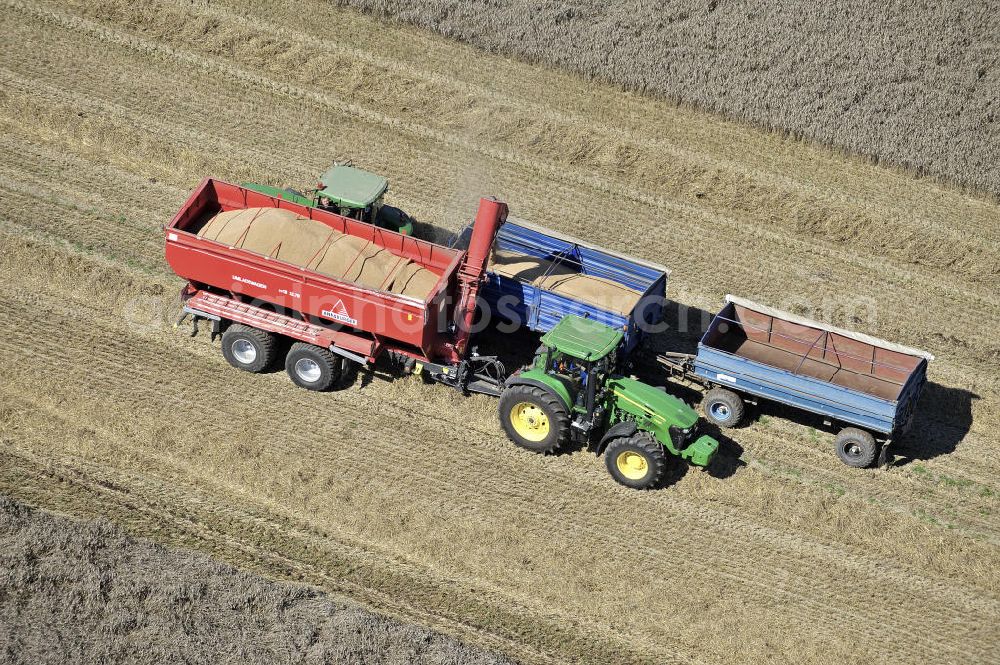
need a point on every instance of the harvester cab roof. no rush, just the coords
(581, 338)
(350, 192)
(351, 187)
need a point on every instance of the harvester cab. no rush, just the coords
(350, 192)
(572, 392)
(356, 193)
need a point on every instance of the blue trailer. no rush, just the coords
(865, 386)
(537, 276)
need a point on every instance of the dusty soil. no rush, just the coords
(407, 498)
(909, 83)
(85, 592)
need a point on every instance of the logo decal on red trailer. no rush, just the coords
(339, 313)
(247, 280)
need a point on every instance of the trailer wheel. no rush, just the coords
(638, 461)
(533, 418)
(247, 348)
(723, 408)
(313, 367)
(856, 447)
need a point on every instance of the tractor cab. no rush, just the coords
(347, 191)
(572, 392)
(356, 193)
(580, 353)
(351, 192)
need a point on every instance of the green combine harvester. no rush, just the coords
(571, 392)
(347, 191)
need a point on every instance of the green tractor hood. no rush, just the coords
(638, 395)
(656, 412)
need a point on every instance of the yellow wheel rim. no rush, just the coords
(632, 465)
(529, 421)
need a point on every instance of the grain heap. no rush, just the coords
(310, 244)
(560, 277)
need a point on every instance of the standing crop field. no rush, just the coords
(408, 498)
(84, 592)
(908, 83)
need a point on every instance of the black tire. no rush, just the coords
(249, 349)
(627, 457)
(534, 405)
(856, 447)
(313, 367)
(723, 408)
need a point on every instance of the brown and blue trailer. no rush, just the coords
(865, 387)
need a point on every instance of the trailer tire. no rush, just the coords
(638, 461)
(723, 408)
(249, 349)
(533, 418)
(313, 367)
(856, 447)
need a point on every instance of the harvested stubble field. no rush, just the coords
(85, 592)
(407, 498)
(909, 82)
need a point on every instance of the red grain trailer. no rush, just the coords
(258, 267)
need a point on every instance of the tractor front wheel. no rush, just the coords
(534, 418)
(638, 461)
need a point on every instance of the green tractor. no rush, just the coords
(347, 191)
(571, 392)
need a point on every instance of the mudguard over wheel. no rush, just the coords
(723, 408)
(638, 461)
(856, 447)
(313, 367)
(533, 418)
(247, 348)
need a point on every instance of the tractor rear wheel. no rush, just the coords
(638, 461)
(856, 447)
(247, 348)
(723, 407)
(313, 367)
(533, 418)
